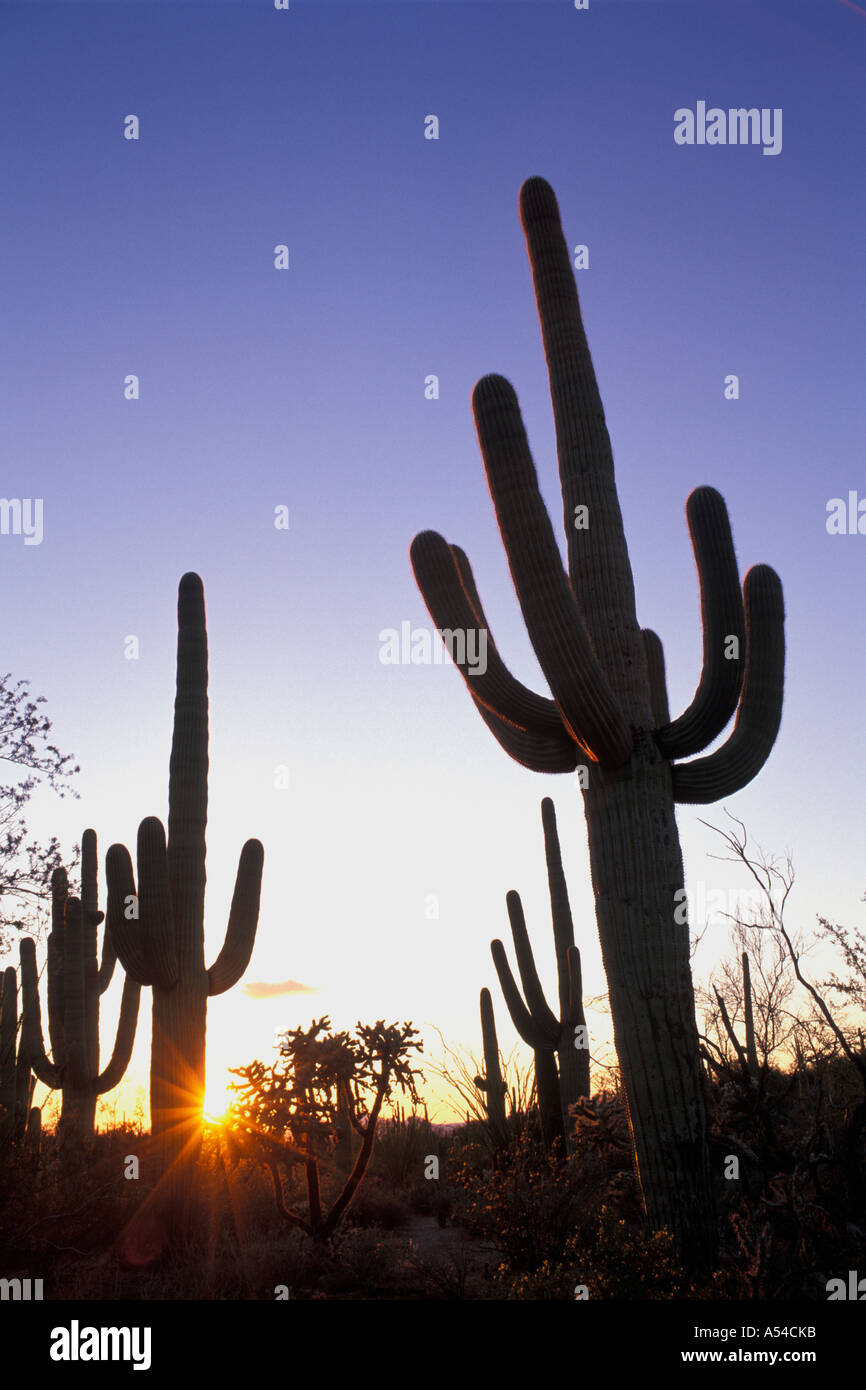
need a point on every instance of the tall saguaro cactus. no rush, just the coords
(166, 948)
(76, 982)
(609, 715)
(538, 1026)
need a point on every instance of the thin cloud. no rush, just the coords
(264, 989)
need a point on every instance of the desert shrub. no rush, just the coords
(527, 1207)
(402, 1147)
(374, 1205)
(609, 1260)
(305, 1108)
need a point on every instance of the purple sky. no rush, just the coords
(305, 387)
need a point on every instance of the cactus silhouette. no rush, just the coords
(751, 1049)
(76, 982)
(609, 717)
(491, 1084)
(16, 1085)
(158, 928)
(537, 1025)
(748, 1056)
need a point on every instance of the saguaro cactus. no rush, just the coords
(609, 716)
(76, 982)
(15, 1080)
(158, 929)
(751, 1049)
(747, 1057)
(538, 1026)
(491, 1084)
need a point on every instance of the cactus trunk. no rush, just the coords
(637, 870)
(549, 1101)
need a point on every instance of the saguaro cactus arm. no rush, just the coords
(532, 1033)
(546, 1023)
(125, 936)
(156, 905)
(744, 753)
(438, 571)
(655, 668)
(560, 908)
(99, 974)
(527, 725)
(148, 952)
(722, 618)
(590, 711)
(124, 1040)
(544, 747)
(240, 935)
(49, 1073)
(56, 954)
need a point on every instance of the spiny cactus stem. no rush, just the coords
(589, 709)
(722, 619)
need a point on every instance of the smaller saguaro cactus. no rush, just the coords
(746, 1056)
(564, 1038)
(76, 982)
(16, 1087)
(751, 1049)
(491, 1084)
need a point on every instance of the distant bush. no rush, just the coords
(375, 1206)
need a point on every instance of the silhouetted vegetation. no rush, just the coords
(296, 1111)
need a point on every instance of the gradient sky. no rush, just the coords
(305, 388)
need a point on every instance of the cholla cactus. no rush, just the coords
(601, 1122)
